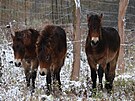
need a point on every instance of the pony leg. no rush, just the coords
(109, 75)
(26, 67)
(27, 74)
(57, 73)
(100, 76)
(34, 74)
(34, 67)
(48, 80)
(93, 77)
(58, 79)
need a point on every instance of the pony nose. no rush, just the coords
(18, 64)
(94, 41)
(42, 73)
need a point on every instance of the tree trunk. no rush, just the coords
(52, 12)
(25, 10)
(122, 11)
(3, 13)
(76, 43)
(56, 11)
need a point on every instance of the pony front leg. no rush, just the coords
(57, 77)
(27, 75)
(93, 77)
(27, 69)
(34, 74)
(100, 76)
(34, 67)
(48, 80)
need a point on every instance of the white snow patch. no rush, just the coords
(77, 2)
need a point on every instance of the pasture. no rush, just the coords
(36, 14)
(13, 85)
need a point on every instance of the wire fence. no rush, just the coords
(37, 12)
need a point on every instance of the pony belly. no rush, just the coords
(98, 60)
(111, 56)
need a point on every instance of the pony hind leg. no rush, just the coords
(27, 75)
(57, 75)
(34, 74)
(100, 76)
(109, 75)
(26, 67)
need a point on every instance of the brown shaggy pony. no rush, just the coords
(51, 51)
(25, 54)
(102, 47)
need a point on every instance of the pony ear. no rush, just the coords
(37, 44)
(101, 16)
(88, 17)
(12, 36)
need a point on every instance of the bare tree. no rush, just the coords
(76, 45)
(52, 11)
(123, 4)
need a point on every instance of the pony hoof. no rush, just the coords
(47, 92)
(109, 88)
(100, 87)
(33, 86)
(43, 99)
(28, 84)
(94, 92)
(32, 90)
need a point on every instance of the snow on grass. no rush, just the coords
(13, 85)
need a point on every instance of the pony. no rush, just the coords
(51, 50)
(102, 51)
(25, 53)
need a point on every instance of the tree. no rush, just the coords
(121, 18)
(76, 43)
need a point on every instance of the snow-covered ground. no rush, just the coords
(13, 85)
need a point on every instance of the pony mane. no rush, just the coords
(46, 34)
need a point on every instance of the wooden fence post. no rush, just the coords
(121, 17)
(76, 43)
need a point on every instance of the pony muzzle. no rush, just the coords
(42, 71)
(17, 62)
(94, 41)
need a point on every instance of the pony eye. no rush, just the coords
(47, 57)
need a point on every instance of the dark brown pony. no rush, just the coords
(51, 51)
(25, 54)
(102, 47)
